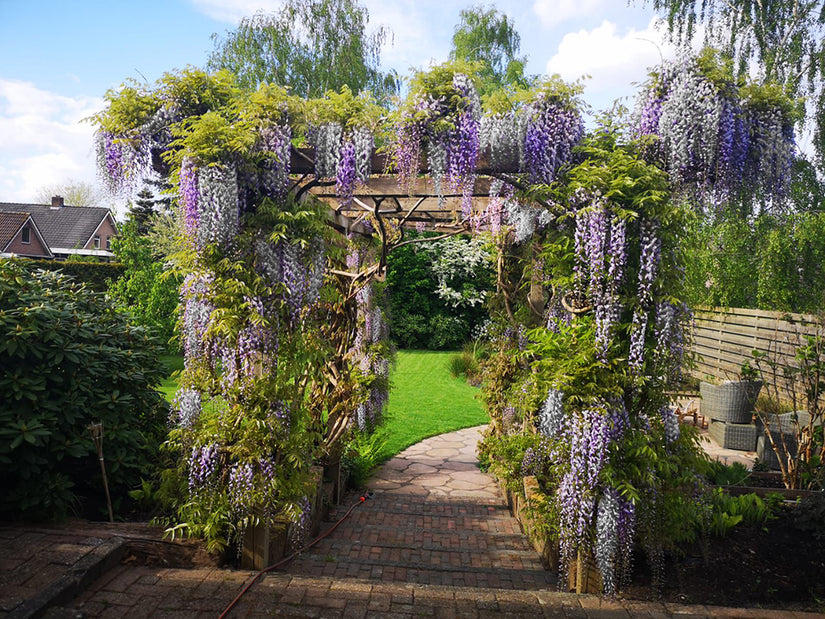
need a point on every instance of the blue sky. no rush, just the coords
(58, 58)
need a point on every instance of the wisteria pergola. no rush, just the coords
(287, 342)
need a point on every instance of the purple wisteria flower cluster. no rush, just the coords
(588, 434)
(203, 466)
(551, 414)
(671, 424)
(274, 143)
(342, 155)
(186, 406)
(300, 529)
(600, 248)
(717, 144)
(548, 132)
(651, 247)
(452, 138)
(372, 330)
(197, 306)
(240, 487)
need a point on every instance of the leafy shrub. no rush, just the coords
(748, 509)
(721, 474)
(68, 359)
(145, 289)
(435, 304)
(361, 455)
(463, 364)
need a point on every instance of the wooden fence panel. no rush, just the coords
(723, 338)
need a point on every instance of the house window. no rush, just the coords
(109, 242)
(26, 235)
(96, 241)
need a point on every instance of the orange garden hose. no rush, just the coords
(246, 588)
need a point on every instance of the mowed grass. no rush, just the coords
(169, 387)
(425, 400)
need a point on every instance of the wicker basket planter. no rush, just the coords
(767, 455)
(740, 436)
(785, 423)
(731, 402)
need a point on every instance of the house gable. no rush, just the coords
(20, 236)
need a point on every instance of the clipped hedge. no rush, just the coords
(95, 274)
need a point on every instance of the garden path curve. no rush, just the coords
(435, 519)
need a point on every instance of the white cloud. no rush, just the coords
(551, 13)
(44, 141)
(611, 59)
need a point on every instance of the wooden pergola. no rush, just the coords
(382, 197)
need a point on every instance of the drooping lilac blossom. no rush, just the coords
(651, 247)
(187, 405)
(589, 438)
(638, 332)
(607, 538)
(671, 424)
(196, 293)
(300, 529)
(275, 142)
(550, 132)
(218, 216)
(326, 139)
(347, 174)
(189, 196)
(551, 415)
(240, 487)
(203, 463)
(617, 255)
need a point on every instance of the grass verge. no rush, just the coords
(426, 400)
(169, 387)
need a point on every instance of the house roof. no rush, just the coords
(65, 227)
(10, 224)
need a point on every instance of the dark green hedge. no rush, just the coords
(95, 274)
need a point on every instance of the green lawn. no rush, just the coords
(169, 386)
(426, 400)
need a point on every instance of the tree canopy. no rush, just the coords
(489, 38)
(310, 46)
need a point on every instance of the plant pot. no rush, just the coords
(731, 402)
(738, 436)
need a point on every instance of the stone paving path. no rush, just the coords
(435, 518)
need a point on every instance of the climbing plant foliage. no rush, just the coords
(282, 322)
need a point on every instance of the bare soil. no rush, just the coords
(778, 566)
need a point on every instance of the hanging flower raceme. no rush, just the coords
(197, 306)
(589, 438)
(274, 143)
(342, 155)
(450, 125)
(187, 406)
(720, 143)
(551, 415)
(550, 130)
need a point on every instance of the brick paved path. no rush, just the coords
(434, 519)
(437, 541)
